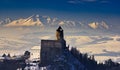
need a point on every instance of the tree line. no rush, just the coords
(91, 64)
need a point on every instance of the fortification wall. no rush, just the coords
(51, 43)
(49, 50)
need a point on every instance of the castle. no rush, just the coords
(50, 49)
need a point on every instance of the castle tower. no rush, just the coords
(60, 36)
(59, 33)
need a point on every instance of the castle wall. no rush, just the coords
(51, 43)
(49, 50)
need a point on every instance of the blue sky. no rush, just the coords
(61, 8)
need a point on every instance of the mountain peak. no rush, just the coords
(96, 25)
(26, 22)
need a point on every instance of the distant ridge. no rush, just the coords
(36, 20)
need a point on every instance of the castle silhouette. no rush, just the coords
(50, 49)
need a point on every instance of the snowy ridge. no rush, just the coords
(36, 20)
(96, 25)
(25, 22)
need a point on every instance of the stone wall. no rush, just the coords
(50, 49)
(51, 43)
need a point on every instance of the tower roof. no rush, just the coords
(59, 28)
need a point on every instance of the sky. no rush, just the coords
(60, 8)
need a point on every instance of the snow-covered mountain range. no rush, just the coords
(25, 22)
(36, 20)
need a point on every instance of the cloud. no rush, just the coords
(45, 37)
(104, 1)
(74, 1)
(77, 40)
(108, 53)
(35, 48)
(88, 1)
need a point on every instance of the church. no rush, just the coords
(50, 49)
